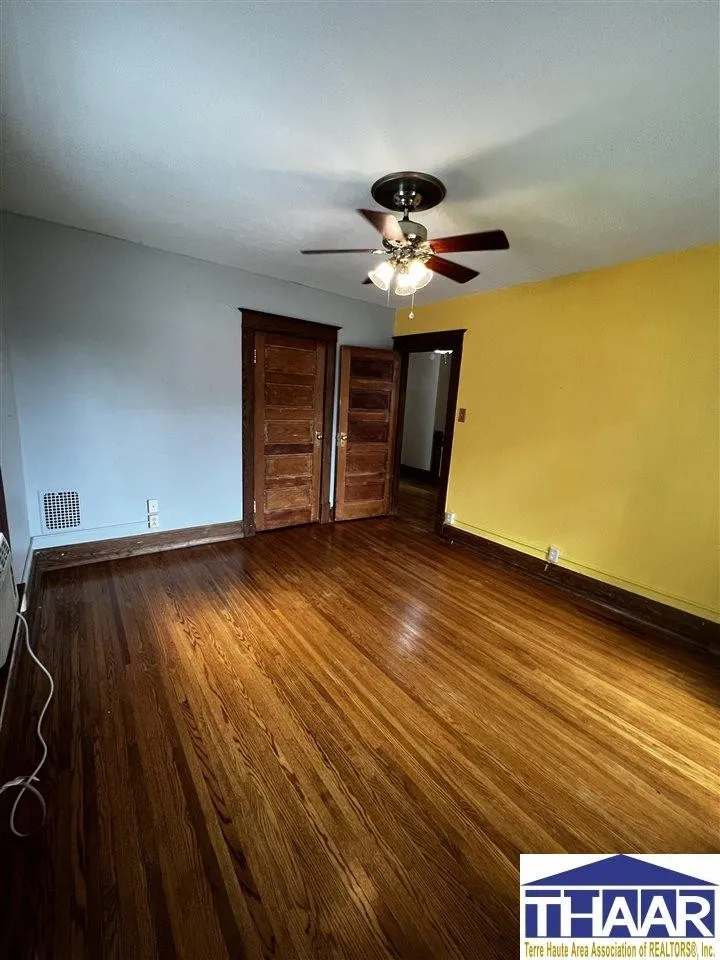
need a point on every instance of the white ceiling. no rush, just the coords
(240, 132)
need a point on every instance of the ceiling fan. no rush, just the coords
(411, 257)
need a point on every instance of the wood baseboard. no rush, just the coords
(78, 554)
(616, 602)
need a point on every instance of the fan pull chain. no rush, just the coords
(411, 315)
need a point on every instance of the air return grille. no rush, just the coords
(60, 509)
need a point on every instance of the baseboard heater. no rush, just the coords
(8, 600)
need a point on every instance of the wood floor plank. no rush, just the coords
(334, 742)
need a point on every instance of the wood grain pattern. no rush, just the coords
(417, 500)
(76, 554)
(334, 742)
(289, 400)
(367, 426)
(253, 323)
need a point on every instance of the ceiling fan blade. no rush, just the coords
(358, 250)
(486, 240)
(454, 271)
(384, 223)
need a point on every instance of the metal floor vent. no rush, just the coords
(60, 509)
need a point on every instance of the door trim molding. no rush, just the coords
(292, 326)
(422, 343)
(256, 320)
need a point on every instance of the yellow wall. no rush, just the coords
(593, 422)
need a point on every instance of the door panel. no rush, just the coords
(289, 431)
(297, 360)
(290, 466)
(369, 400)
(368, 432)
(367, 426)
(289, 395)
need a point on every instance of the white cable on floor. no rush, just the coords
(28, 783)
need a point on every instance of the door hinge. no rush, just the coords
(254, 506)
(255, 355)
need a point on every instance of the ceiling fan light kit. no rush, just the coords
(412, 258)
(382, 275)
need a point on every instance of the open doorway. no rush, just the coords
(423, 435)
(429, 384)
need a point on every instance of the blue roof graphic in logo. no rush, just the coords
(620, 871)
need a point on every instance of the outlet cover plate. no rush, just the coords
(153, 506)
(153, 521)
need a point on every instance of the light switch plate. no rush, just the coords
(153, 506)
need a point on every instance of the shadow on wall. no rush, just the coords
(128, 371)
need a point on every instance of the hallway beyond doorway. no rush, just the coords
(417, 503)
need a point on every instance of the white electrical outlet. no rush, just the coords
(153, 506)
(153, 521)
(553, 554)
(450, 518)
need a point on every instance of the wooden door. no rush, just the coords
(289, 401)
(367, 427)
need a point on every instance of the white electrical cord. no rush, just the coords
(28, 783)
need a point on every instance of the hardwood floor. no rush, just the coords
(334, 742)
(416, 503)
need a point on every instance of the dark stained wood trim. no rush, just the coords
(78, 554)
(248, 430)
(327, 447)
(424, 342)
(421, 343)
(253, 321)
(618, 603)
(399, 432)
(272, 323)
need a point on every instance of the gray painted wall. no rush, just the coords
(420, 401)
(128, 373)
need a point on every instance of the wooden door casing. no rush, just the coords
(367, 425)
(451, 340)
(289, 375)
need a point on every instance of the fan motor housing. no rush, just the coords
(412, 230)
